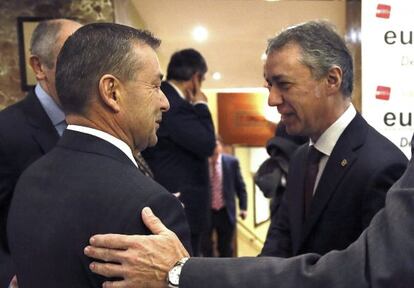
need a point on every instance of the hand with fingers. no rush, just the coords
(194, 94)
(141, 260)
(243, 214)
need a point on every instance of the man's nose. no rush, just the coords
(275, 97)
(165, 104)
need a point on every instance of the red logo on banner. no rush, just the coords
(383, 93)
(383, 11)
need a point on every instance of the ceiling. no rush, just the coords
(238, 30)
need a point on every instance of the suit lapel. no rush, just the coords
(40, 126)
(341, 160)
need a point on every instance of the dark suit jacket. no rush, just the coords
(26, 133)
(233, 185)
(179, 160)
(84, 186)
(362, 167)
(382, 257)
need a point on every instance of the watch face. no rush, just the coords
(174, 276)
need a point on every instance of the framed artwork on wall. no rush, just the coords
(25, 27)
(242, 119)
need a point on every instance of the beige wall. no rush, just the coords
(238, 31)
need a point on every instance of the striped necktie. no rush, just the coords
(143, 165)
(216, 180)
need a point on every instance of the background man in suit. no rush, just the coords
(185, 140)
(108, 79)
(381, 257)
(226, 183)
(309, 75)
(31, 127)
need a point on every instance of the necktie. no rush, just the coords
(143, 165)
(312, 167)
(217, 201)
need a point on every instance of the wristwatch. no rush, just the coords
(173, 277)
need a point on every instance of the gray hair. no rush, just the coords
(44, 39)
(322, 48)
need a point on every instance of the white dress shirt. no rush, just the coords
(55, 113)
(121, 145)
(328, 139)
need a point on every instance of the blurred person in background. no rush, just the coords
(186, 139)
(226, 184)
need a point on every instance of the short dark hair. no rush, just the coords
(321, 47)
(92, 51)
(184, 64)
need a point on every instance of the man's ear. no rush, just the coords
(109, 92)
(334, 79)
(37, 68)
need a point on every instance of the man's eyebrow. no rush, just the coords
(275, 78)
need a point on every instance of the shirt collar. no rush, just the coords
(55, 113)
(177, 90)
(121, 145)
(328, 139)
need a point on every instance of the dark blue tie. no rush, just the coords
(312, 167)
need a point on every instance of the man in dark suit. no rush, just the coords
(185, 140)
(31, 127)
(310, 78)
(383, 254)
(226, 184)
(108, 80)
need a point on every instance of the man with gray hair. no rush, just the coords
(31, 127)
(314, 103)
(337, 182)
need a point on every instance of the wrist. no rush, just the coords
(173, 276)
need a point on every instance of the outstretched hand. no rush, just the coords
(141, 260)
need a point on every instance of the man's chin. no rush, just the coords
(153, 141)
(292, 130)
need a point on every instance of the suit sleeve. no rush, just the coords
(379, 184)
(382, 257)
(240, 186)
(192, 128)
(278, 240)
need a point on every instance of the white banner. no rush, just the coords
(388, 68)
